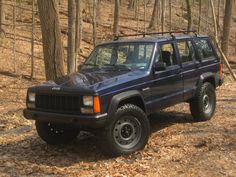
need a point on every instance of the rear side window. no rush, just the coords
(204, 49)
(186, 51)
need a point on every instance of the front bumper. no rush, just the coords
(90, 121)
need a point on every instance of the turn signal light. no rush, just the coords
(96, 104)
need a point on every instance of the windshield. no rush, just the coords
(122, 56)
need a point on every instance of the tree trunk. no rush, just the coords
(2, 18)
(71, 36)
(94, 22)
(170, 15)
(116, 18)
(163, 4)
(78, 33)
(199, 16)
(51, 34)
(32, 43)
(226, 26)
(189, 11)
(154, 20)
(145, 15)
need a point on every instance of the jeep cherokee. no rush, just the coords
(121, 83)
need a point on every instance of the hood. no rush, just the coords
(96, 79)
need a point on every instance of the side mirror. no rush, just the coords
(160, 66)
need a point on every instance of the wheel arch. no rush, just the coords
(132, 97)
(207, 77)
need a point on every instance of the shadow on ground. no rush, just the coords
(84, 149)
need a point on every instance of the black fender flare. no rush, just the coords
(205, 76)
(116, 99)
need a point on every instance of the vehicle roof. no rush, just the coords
(151, 39)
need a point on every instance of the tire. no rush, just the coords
(203, 105)
(54, 133)
(127, 133)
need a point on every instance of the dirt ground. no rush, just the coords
(177, 145)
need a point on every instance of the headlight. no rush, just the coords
(31, 97)
(88, 100)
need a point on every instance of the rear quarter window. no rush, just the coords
(204, 49)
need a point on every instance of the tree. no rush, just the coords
(116, 18)
(189, 13)
(154, 20)
(78, 29)
(71, 36)
(199, 15)
(51, 35)
(163, 9)
(95, 22)
(2, 17)
(226, 26)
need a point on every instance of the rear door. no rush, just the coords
(189, 64)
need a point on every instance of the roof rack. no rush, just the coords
(171, 33)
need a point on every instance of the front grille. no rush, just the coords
(58, 103)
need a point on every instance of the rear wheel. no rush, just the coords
(129, 131)
(202, 107)
(54, 133)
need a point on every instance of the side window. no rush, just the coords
(186, 51)
(204, 49)
(167, 55)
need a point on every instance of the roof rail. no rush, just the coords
(171, 33)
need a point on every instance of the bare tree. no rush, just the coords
(32, 43)
(2, 18)
(170, 15)
(189, 13)
(94, 22)
(163, 9)
(78, 33)
(154, 20)
(51, 34)
(226, 26)
(71, 36)
(199, 15)
(116, 18)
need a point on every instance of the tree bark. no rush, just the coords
(78, 33)
(51, 35)
(226, 26)
(71, 36)
(116, 18)
(94, 22)
(154, 20)
(199, 15)
(32, 43)
(163, 4)
(189, 11)
(2, 18)
(170, 15)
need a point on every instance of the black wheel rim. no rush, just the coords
(208, 102)
(127, 132)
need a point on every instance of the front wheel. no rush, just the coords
(203, 106)
(128, 132)
(54, 133)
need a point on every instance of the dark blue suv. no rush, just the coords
(121, 83)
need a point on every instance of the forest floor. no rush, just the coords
(177, 145)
